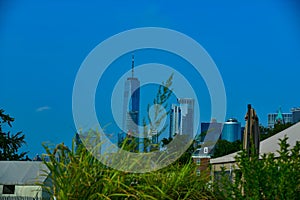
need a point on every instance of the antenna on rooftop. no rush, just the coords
(132, 66)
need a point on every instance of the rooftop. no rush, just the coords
(269, 145)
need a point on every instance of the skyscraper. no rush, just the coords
(131, 106)
(187, 113)
(182, 118)
(175, 121)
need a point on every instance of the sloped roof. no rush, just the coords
(269, 145)
(22, 172)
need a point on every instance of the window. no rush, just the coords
(8, 189)
(198, 172)
(198, 161)
(205, 149)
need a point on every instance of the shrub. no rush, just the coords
(267, 178)
(78, 175)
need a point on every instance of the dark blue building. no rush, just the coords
(210, 131)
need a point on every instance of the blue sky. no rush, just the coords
(255, 45)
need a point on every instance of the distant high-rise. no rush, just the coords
(296, 115)
(279, 117)
(131, 106)
(175, 121)
(187, 115)
(231, 130)
(182, 118)
(211, 130)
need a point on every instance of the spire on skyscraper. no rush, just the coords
(131, 105)
(279, 118)
(132, 66)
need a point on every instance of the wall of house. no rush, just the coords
(23, 191)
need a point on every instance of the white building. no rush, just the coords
(182, 118)
(175, 121)
(23, 179)
(187, 115)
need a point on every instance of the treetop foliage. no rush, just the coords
(10, 143)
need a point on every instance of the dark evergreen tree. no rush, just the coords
(10, 143)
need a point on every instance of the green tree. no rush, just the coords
(10, 143)
(268, 132)
(166, 141)
(186, 157)
(224, 147)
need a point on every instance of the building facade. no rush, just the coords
(279, 117)
(296, 115)
(231, 130)
(201, 158)
(213, 131)
(131, 105)
(175, 121)
(210, 131)
(187, 116)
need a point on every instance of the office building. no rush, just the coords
(231, 130)
(210, 131)
(131, 106)
(295, 115)
(175, 121)
(187, 116)
(213, 131)
(279, 117)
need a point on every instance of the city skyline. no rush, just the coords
(181, 115)
(254, 44)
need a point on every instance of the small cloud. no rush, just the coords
(43, 108)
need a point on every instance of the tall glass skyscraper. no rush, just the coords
(131, 106)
